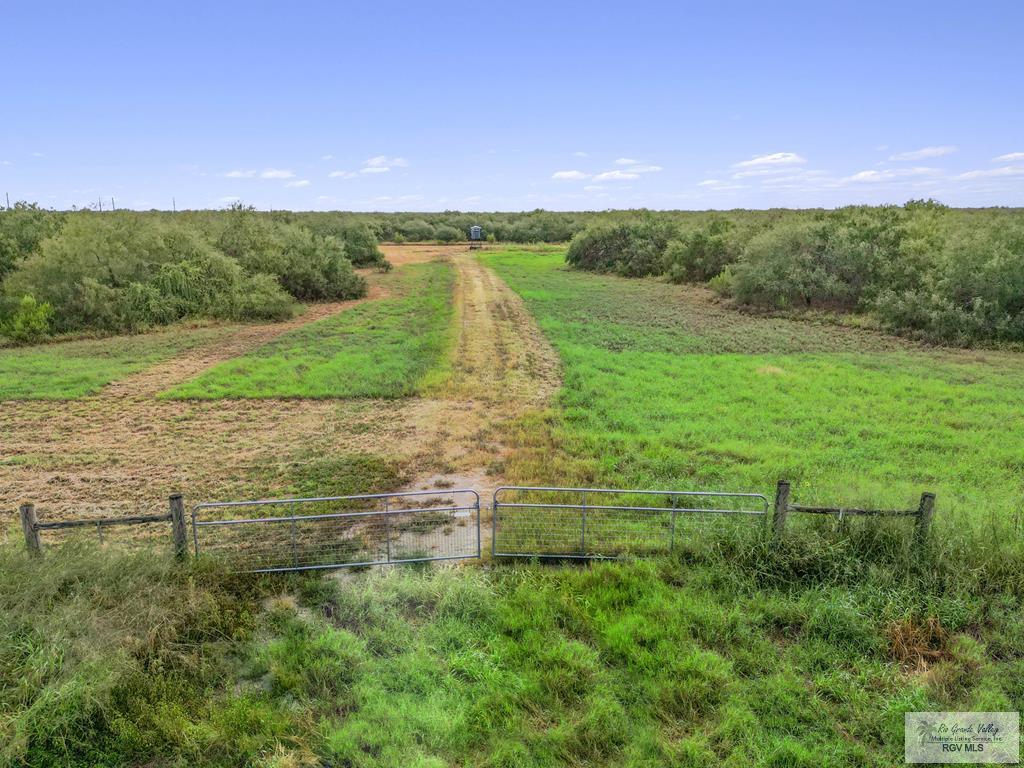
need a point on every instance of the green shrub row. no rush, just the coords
(123, 272)
(921, 269)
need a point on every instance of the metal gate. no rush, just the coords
(271, 535)
(592, 523)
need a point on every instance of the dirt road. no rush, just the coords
(124, 451)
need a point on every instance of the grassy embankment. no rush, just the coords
(387, 348)
(114, 660)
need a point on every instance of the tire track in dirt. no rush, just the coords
(502, 368)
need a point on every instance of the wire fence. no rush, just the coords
(271, 535)
(173, 519)
(863, 522)
(596, 523)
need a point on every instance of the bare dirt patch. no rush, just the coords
(418, 253)
(502, 368)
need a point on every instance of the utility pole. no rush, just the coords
(112, 206)
(100, 201)
(174, 206)
(8, 200)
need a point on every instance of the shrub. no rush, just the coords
(251, 240)
(784, 266)
(309, 265)
(447, 234)
(258, 297)
(361, 245)
(22, 229)
(832, 261)
(125, 273)
(197, 285)
(87, 271)
(30, 322)
(724, 283)
(973, 290)
(417, 231)
(632, 250)
(699, 255)
(315, 267)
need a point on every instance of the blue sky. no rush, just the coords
(512, 106)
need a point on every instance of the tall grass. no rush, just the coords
(749, 654)
(101, 652)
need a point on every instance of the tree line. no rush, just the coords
(922, 269)
(122, 272)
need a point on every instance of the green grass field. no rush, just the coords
(665, 392)
(72, 369)
(386, 348)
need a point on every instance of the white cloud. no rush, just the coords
(277, 173)
(580, 154)
(382, 164)
(6, 162)
(570, 175)
(342, 175)
(891, 174)
(616, 176)
(593, 188)
(924, 153)
(630, 168)
(810, 179)
(1010, 157)
(717, 185)
(38, 154)
(298, 184)
(229, 199)
(762, 172)
(269, 173)
(383, 161)
(1006, 170)
(776, 158)
(327, 157)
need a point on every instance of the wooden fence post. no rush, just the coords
(28, 525)
(178, 525)
(925, 510)
(781, 508)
